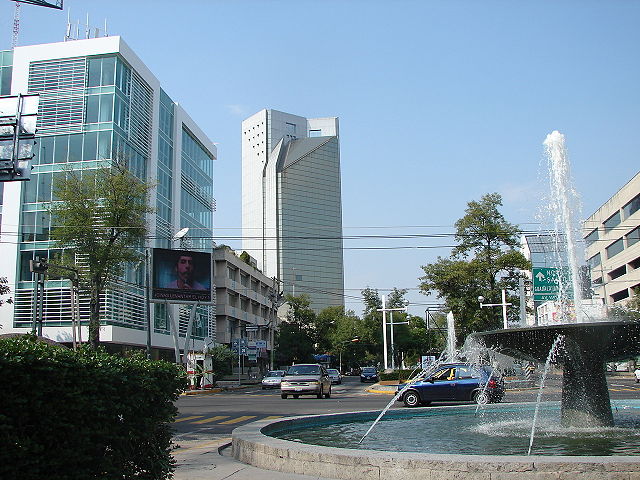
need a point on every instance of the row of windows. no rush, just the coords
(627, 210)
(618, 246)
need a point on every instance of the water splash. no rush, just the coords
(552, 352)
(564, 209)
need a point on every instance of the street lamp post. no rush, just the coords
(353, 340)
(504, 305)
(384, 311)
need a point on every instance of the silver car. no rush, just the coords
(272, 379)
(306, 379)
(335, 376)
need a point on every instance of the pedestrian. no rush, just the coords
(637, 374)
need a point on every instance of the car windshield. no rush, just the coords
(304, 370)
(368, 370)
(275, 373)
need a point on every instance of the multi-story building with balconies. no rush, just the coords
(612, 239)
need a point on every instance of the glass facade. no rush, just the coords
(81, 139)
(6, 67)
(197, 204)
(310, 215)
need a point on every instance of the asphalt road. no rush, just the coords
(220, 413)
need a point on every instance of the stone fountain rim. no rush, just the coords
(253, 446)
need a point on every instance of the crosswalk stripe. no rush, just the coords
(212, 419)
(184, 419)
(239, 419)
(272, 417)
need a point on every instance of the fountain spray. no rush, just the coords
(564, 205)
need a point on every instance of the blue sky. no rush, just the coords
(439, 102)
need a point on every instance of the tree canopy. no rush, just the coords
(483, 262)
(100, 218)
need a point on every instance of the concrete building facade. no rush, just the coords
(291, 203)
(97, 101)
(246, 305)
(612, 239)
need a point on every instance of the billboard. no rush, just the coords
(181, 276)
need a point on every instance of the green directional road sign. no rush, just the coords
(546, 283)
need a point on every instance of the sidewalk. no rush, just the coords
(209, 458)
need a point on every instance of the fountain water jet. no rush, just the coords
(587, 346)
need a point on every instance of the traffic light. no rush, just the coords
(38, 266)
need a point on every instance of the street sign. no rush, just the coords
(547, 281)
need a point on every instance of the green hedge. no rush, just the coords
(84, 415)
(401, 375)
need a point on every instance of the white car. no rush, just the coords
(272, 379)
(335, 376)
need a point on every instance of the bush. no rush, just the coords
(86, 414)
(400, 375)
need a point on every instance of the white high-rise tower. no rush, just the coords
(291, 203)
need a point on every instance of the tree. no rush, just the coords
(294, 339)
(484, 262)
(100, 218)
(4, 290)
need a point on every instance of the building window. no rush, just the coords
(594, 261)
(633, 236)
(591, 238)
(632, 207)
(612, 222)
(290, 129)
(615, 248)
(618, 272)
(616, 297)
(315, 133)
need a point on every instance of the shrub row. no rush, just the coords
(85, 414)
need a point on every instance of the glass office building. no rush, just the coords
(99, 102)
(291, 203)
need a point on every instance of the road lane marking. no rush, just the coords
(212, 419)
(237, 420)
(184, 419)
(272, 417)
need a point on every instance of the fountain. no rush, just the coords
(592, 441)
(586, 346)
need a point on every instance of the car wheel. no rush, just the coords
(411, 399)
(319, 394)
(328, 394)
(481, 398)
(283, 395)
(295, 395)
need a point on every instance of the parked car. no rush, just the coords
(272, 379)
(306, 379)
(455, 382)
(335, 376)
(369, 374)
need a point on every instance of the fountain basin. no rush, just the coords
(255, 445)
(586, 348)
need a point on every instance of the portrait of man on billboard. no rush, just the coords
(181, 275)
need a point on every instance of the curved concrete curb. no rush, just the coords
(252, 446)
